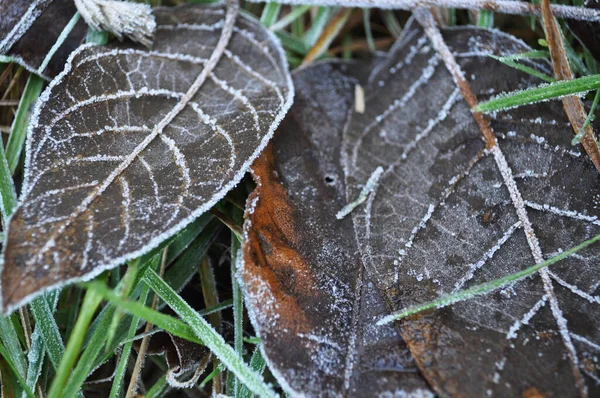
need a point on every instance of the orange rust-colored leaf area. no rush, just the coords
(269, 250)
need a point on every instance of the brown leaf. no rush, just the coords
(183, 357)
(450, 213)
(28, 29)
(128, 145)
(305, 285)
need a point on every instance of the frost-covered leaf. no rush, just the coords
(449, 214)
(186, 360)
(29, 29)
(127, 145)
(303, 279)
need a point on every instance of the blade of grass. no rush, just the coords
(238, 310)
(7, 358)
(35, 357)
(291, 43)
(484, 288)
(59, 41)
(116, 389)
(96, 36)
(90, 303)
(163, 321)
(289, 18)
(159, 388)
(510, 61)
(270, 14)
(258, 364)
(485, 19)
(211, 299)
(141, 356)
(8, 195)
(18, 131)
(588, 119)
(12, 345)
(368, 31)
(125, 291)
(91, 358)
(46, 324)
(328, 35)
(391, 23)
(318, 25)
(297, 27)
(541, 93)
(209, 336)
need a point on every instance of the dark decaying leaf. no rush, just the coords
(183, 358)
(304, 282)
(28, 29)
(119, 158)
(449, 214)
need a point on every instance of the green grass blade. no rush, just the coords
(8, 196)
(257, 364)
(18, 131)
(540, 93)
(59, 41)
(209, 336)
(163, 321)
(96, 36)
(12, 346)
(90, 303)
(368, 30)
(318, 25)
(270, 14)
(35, 359)
(233, 385)
(291, 43)
(115, 391)
(46, 324)
(510, 61)
(289, 18)
(391, 23)
(158, 389)
(484, 288)
(588, 119)
(485, 19)
(15, 371)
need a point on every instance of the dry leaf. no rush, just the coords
(304, 282)
(127, 146)
(183, 358)
(28, 29)
(449, 214)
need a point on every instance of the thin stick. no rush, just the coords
(141, 357)
(562, 71)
